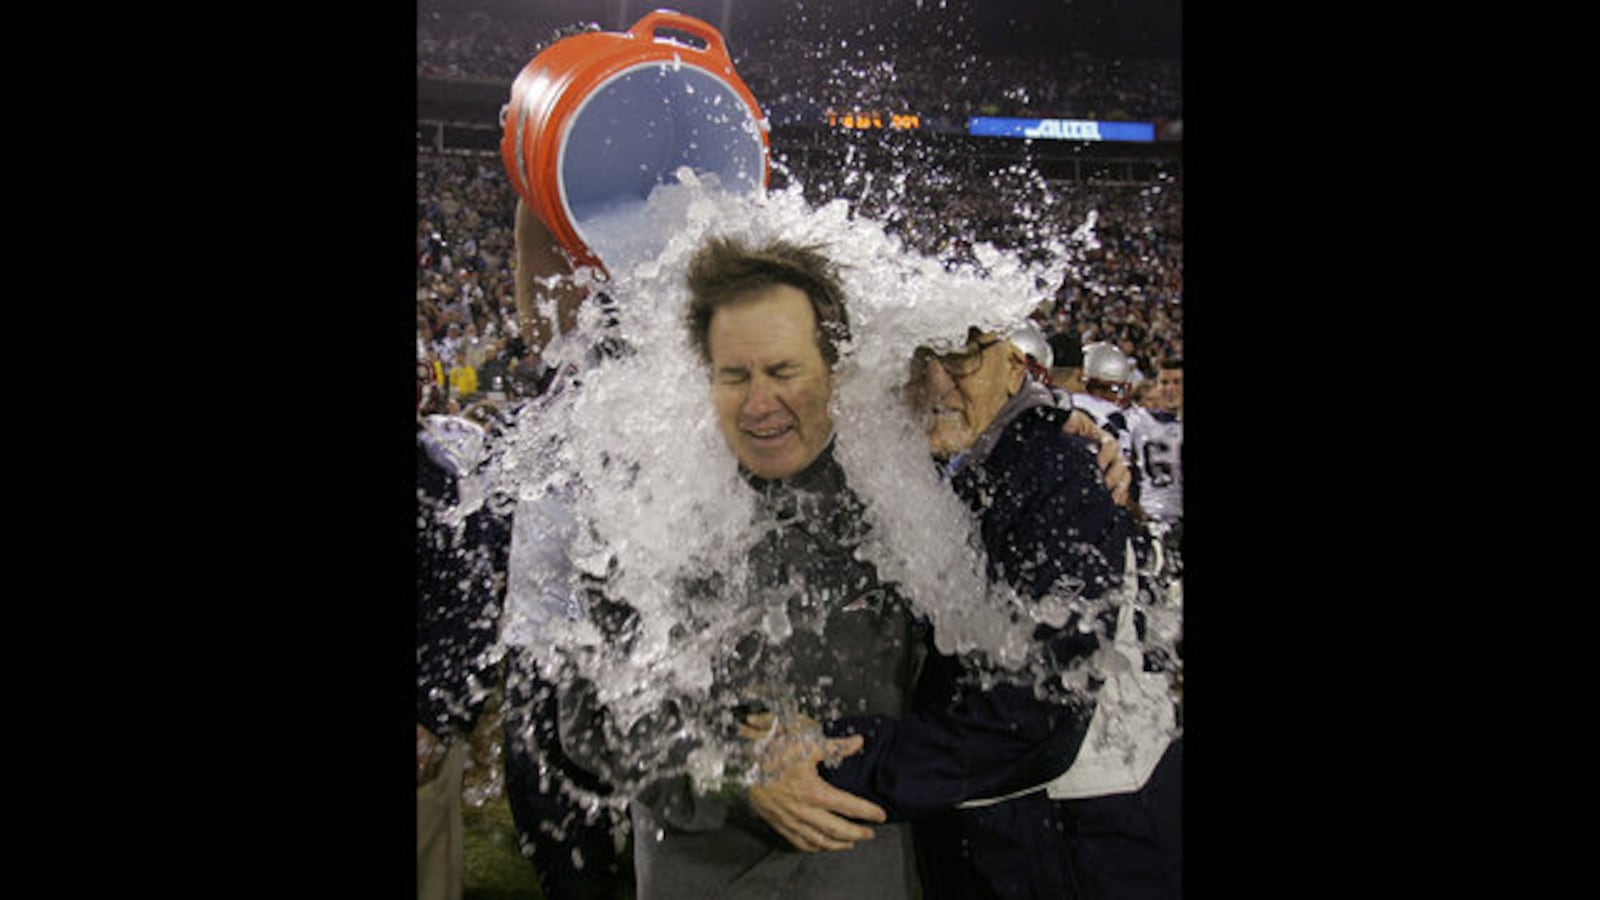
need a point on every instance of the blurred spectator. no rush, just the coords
(463, 378)
(474, 348)
(494, 376)
(433, 387)
(449, 346)
(1066, 367)
(1158, 441)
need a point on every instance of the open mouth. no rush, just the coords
(769, 435)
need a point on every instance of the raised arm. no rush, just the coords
(543, 275)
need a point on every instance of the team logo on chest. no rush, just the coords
(871, 600)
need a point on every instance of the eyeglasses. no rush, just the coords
(957, 365)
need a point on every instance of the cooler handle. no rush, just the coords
(645, 29)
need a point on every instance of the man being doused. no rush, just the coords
(768, 322)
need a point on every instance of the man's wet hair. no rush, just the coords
(726, 270)
(1068, 353)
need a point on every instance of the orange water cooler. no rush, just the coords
(597, 120)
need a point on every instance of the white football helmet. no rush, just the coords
(1031, 341)
(1107, 371)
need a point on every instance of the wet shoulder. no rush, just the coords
(1036, 447)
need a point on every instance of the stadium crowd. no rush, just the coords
(1125, 287)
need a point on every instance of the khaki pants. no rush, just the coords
(441, 832)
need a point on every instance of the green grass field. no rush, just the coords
(495, 866)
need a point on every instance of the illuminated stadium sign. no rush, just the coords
(1062, 129)
(874, 120)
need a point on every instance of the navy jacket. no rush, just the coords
(862, 661)
(458, 599)
(1045, 514)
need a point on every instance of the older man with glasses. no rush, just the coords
(1120, 819)
(970, 765)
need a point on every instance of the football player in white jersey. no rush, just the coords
(1117, 466)
(1039, 359)
(1037, 356)
(1144, 435)
(1157, 431)
(1107, 390)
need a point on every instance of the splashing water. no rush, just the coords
(624, 475)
